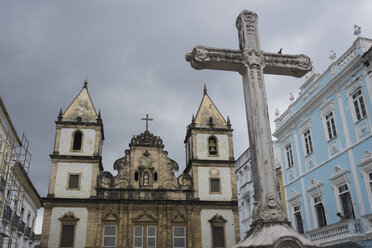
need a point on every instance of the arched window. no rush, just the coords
(136, 176)
(212, 146)
(78, 135)
(155, 177)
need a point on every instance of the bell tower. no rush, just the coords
(210, 154)
(77, 154)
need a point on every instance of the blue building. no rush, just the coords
(325, 141)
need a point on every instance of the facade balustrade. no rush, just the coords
(335, 233)
(368, 221)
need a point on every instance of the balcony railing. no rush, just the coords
(7, 214)
(335, 233)
(32, 238)
(14, 222)
(368, 221)
(21, 227)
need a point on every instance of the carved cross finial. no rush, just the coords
(205, 89)
(147, 119)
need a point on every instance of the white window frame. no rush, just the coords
(147, 237)
(359, 104)
(298, 206)
(134, 237)
(109, 236)
(308, 142)
(331, 125)
(184, 237)
(328, 108)
(319, 202)
(289, 155)
(339, 178)
(295, 200)
(315, 190)
(352, 88)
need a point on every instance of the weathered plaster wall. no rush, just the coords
(85, 171)
(87, 142)
(206, 230)
(81, 226)
(225, 177)
(202, 147)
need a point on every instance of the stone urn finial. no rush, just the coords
(357, 30)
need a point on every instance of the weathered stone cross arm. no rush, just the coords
(203, 57)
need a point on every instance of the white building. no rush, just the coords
(19, 199)
(244, 185)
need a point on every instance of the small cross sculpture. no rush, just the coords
(147, 119)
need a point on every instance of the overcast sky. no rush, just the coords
(134, 55)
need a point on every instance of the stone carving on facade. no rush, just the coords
(146, 139)
(145, 160)
(179, 216)
(68, 217)
(214, 172)
(217, 219)
(367, 156)
(105, 180)
(144, 215)
(110, 216)
(272, 210)
(122, 165)
(167, 170)
(144, 170)
(185, 181)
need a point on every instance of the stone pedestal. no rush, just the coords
(276, 235)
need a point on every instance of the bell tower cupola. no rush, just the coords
(77, 153)
(209, 150)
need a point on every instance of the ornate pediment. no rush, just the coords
(294, 198)
(145, 216)
(110, 217)
(146, 139)
(69, 217)
(217, 219)
(315, 188)
(339, 176)
(178, 218)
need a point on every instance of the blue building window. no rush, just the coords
(298, 219)
(359, 106)
(346, 202)
(288, 151)
(308, 142)
(320, 213)
(331, 125)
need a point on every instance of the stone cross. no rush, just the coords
(147, 119)
(252, 63)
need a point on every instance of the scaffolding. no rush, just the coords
(13, 155)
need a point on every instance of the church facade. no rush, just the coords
(145, 204)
